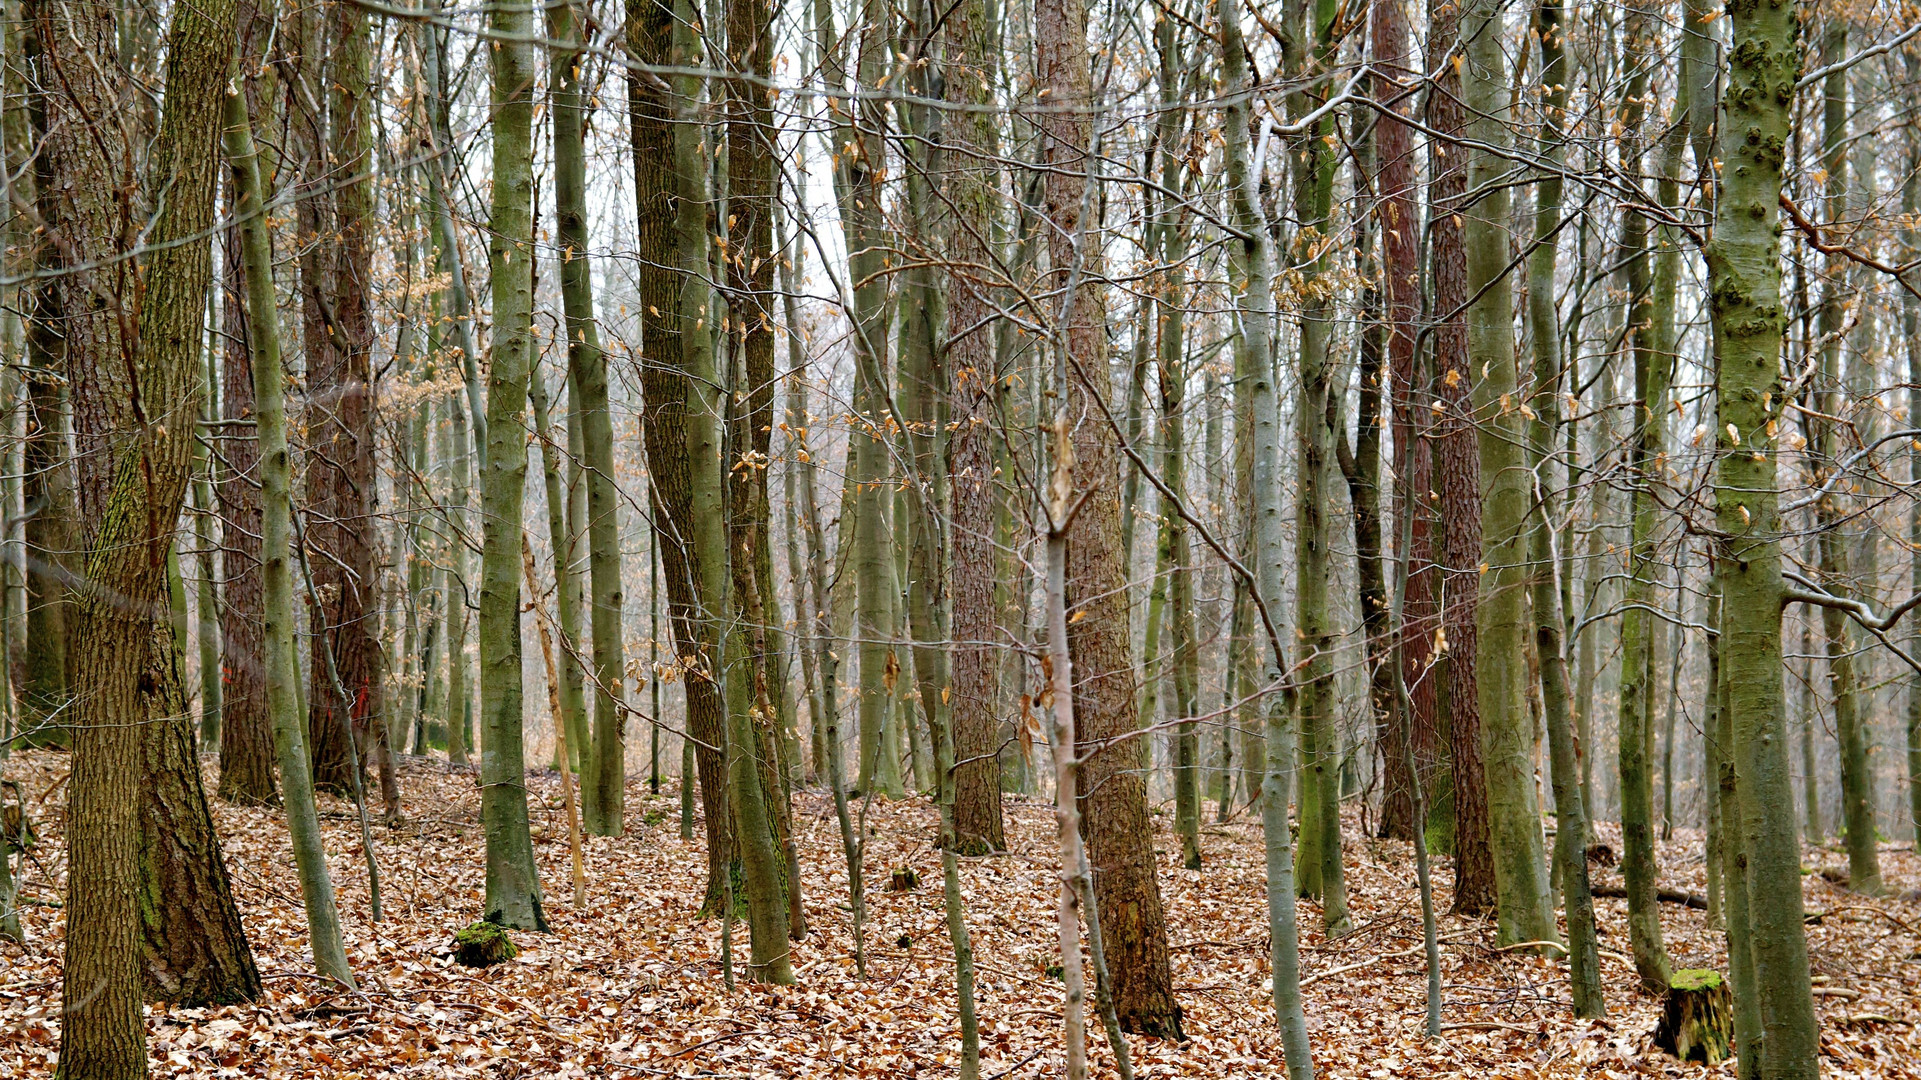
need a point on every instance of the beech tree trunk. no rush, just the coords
(1745, 288)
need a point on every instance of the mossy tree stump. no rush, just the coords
(483, 945)
(1697, 1017)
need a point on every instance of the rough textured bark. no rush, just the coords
(1401, 298)
(134, 472)
(340, 488)
(664, 420)
(1457, 459)
(192, 947)
(1744, 286)
(1120, 839)
(513, 881)
(973, 60)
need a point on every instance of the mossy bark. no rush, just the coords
(1526, 911)
(1744, 287)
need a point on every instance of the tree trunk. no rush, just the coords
(664, 392)
(282, 670)
(513, 881)
(246, 737)
(134, 472)
(727, 647)
(602, 787)
(1401, 295)
(1120, 839)
(1570, 812)
(1466, 795)
(1833, 509)
(193, 949)
(1311, 50)
(206, 599)
(1640, 630)
(973, 63)
(46, 481)
(1507, 733)
(1745, 288)
(1255, 289)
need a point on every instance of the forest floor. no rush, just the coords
(631, 985)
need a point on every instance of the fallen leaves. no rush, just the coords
(631, 985)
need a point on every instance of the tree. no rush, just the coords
(664, 393)
(1457, 459)
(513, 882)
(1311, 51)
(587, 392)
(975, 378)
(1400, 295)
(133, 479)
(246, 737)
(1744, 287)
(1507, 731)
(282, 669)
(1254, 291)
(1114, 800)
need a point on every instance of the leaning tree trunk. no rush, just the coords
(1744, 284)
(126, 368)
(513, 881)
(1120, 839)
(282, 670)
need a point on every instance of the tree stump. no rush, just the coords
(1697, 1017)
(483, 945)
(903, 879)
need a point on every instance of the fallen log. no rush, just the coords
(1665, 895)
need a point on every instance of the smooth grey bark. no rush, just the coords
(1253, 301)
